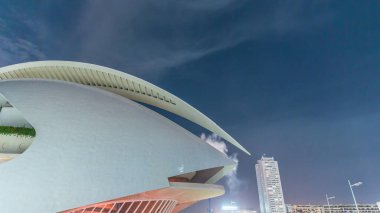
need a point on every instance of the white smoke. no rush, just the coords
(217, 142)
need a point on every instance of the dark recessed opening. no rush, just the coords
(200, 176)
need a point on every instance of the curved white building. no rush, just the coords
(95, 149)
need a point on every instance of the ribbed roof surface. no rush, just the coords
(117, 82)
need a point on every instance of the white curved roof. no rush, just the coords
(117, 82)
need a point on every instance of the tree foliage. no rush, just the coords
(22, 131)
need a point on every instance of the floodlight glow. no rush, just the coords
(229, 207)
(357, 184)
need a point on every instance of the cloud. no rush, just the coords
(14, 50)
(15, 47)
(151, 36)
(215, 141)
(147, 37)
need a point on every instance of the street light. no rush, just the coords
(352, 191)
(328, 203)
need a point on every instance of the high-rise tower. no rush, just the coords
(269, 186)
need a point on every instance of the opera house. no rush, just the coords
(79, 138)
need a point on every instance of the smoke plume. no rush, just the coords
(217, 142)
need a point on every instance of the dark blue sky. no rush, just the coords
(294, 80)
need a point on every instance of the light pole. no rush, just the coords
(328, 203)
(352, 191)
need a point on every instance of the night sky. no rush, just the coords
(296, 80)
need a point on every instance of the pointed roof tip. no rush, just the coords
(236, 144)
(231, 140)
(246, 151)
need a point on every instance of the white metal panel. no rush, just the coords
(91, 146)
(10, 116)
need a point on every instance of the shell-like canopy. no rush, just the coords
(117, 82)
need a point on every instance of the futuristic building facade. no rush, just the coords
(335, 208)
(269, 186)
(97, 150)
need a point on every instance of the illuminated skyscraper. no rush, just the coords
(269, 186)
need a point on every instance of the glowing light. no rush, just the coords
(357, 184)
(229, 207)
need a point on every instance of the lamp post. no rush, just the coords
(352, 191)
(328, 203)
